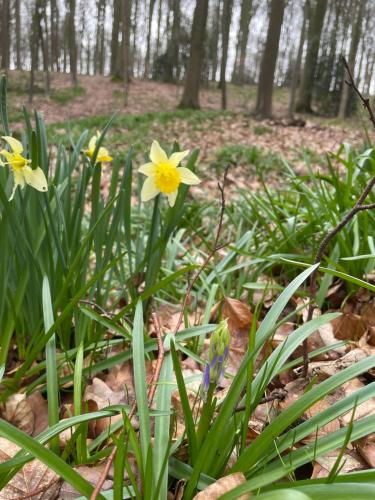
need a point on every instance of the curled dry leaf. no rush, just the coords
(349, 326)
(91, 474)
(34, 477)
(366, 448)
(221, 486)
(17, 411)
(351, 462)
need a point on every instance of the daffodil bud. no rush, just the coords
(217, 357)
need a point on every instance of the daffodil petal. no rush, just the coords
(149, 190)
(188, 177)
(19, 180)
(147, 169)
(176, 158)
(6, 154)
(15, 145)
(157, 154)
(92, 144)
(172, 198)
(35, 178)
(104, 159)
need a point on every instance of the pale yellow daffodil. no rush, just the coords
(22, 172)
(102, 156)
(164, 175)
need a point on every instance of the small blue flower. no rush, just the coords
(217, 357)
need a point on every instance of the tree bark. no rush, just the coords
(214, 49)
(226, 20)
(148, 49)
(314, 34)
(5, 35)
(72, 42)
(18, 33)
(126, 27)
(33, 50)
(268, 64)
(242, 39)
(356, 34)
(297, 65)
(54, 30)
(190, 97)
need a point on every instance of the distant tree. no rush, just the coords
(72, 41)
(115, 37)
(126, 27)
(190, 97)
(242, 39)
(151, 6)
(313, 42)
(356, 34)
(213, 39)
(43, 39)
(54, 30)
(297, 65)
(226, 20)
(99, 38)
(5, 34)
(34, 48)
(268, 64)
(17, 16)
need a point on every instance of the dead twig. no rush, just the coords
(215, 249)
(358, 207)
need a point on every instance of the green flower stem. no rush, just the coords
(206, 415)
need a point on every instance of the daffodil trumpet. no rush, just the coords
(102, 155)
(163, 174)
(22, 172)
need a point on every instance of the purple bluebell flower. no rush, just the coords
(217, 356)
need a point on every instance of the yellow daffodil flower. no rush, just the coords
(163, 176)
(22, 173)
(103, 155)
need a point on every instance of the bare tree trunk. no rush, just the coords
(115, 35)
(243, 35)
(190, 97)
(135, 32)
(356, 34)
(33, 50)
(72, 42)
(54, 30)
(126, 27)
(297, 65)
(314, 34)
(215, 41)
(159, 29)
(226, 20)
(42, 15)
(148, 49)
(268, 64)
(18, 33)
(5, 35)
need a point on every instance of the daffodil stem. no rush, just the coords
(206, 415)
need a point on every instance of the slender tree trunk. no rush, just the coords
(215, 41)
(297, 65)
(314, 34)
(243, 35)
(157, 50)
(42, 15)
(135, 33)
(268, 64)
(126, 27)
(173, 70)
(18, 33)
(226, 20)
(190, 97)
(72, 42)
(54, 30)
(5, 35)
(33, 50)
(356, 34)
(148, 48)
(115, 36)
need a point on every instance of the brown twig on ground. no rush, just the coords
(150, 398)
(215, 248)
(358, 207)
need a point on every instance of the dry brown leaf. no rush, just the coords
(33, 477)
(349, 327)
(17, 411)
(91, 474)
(221, 486)
(351, 461)
(366, 448)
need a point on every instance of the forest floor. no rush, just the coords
(233, 136)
